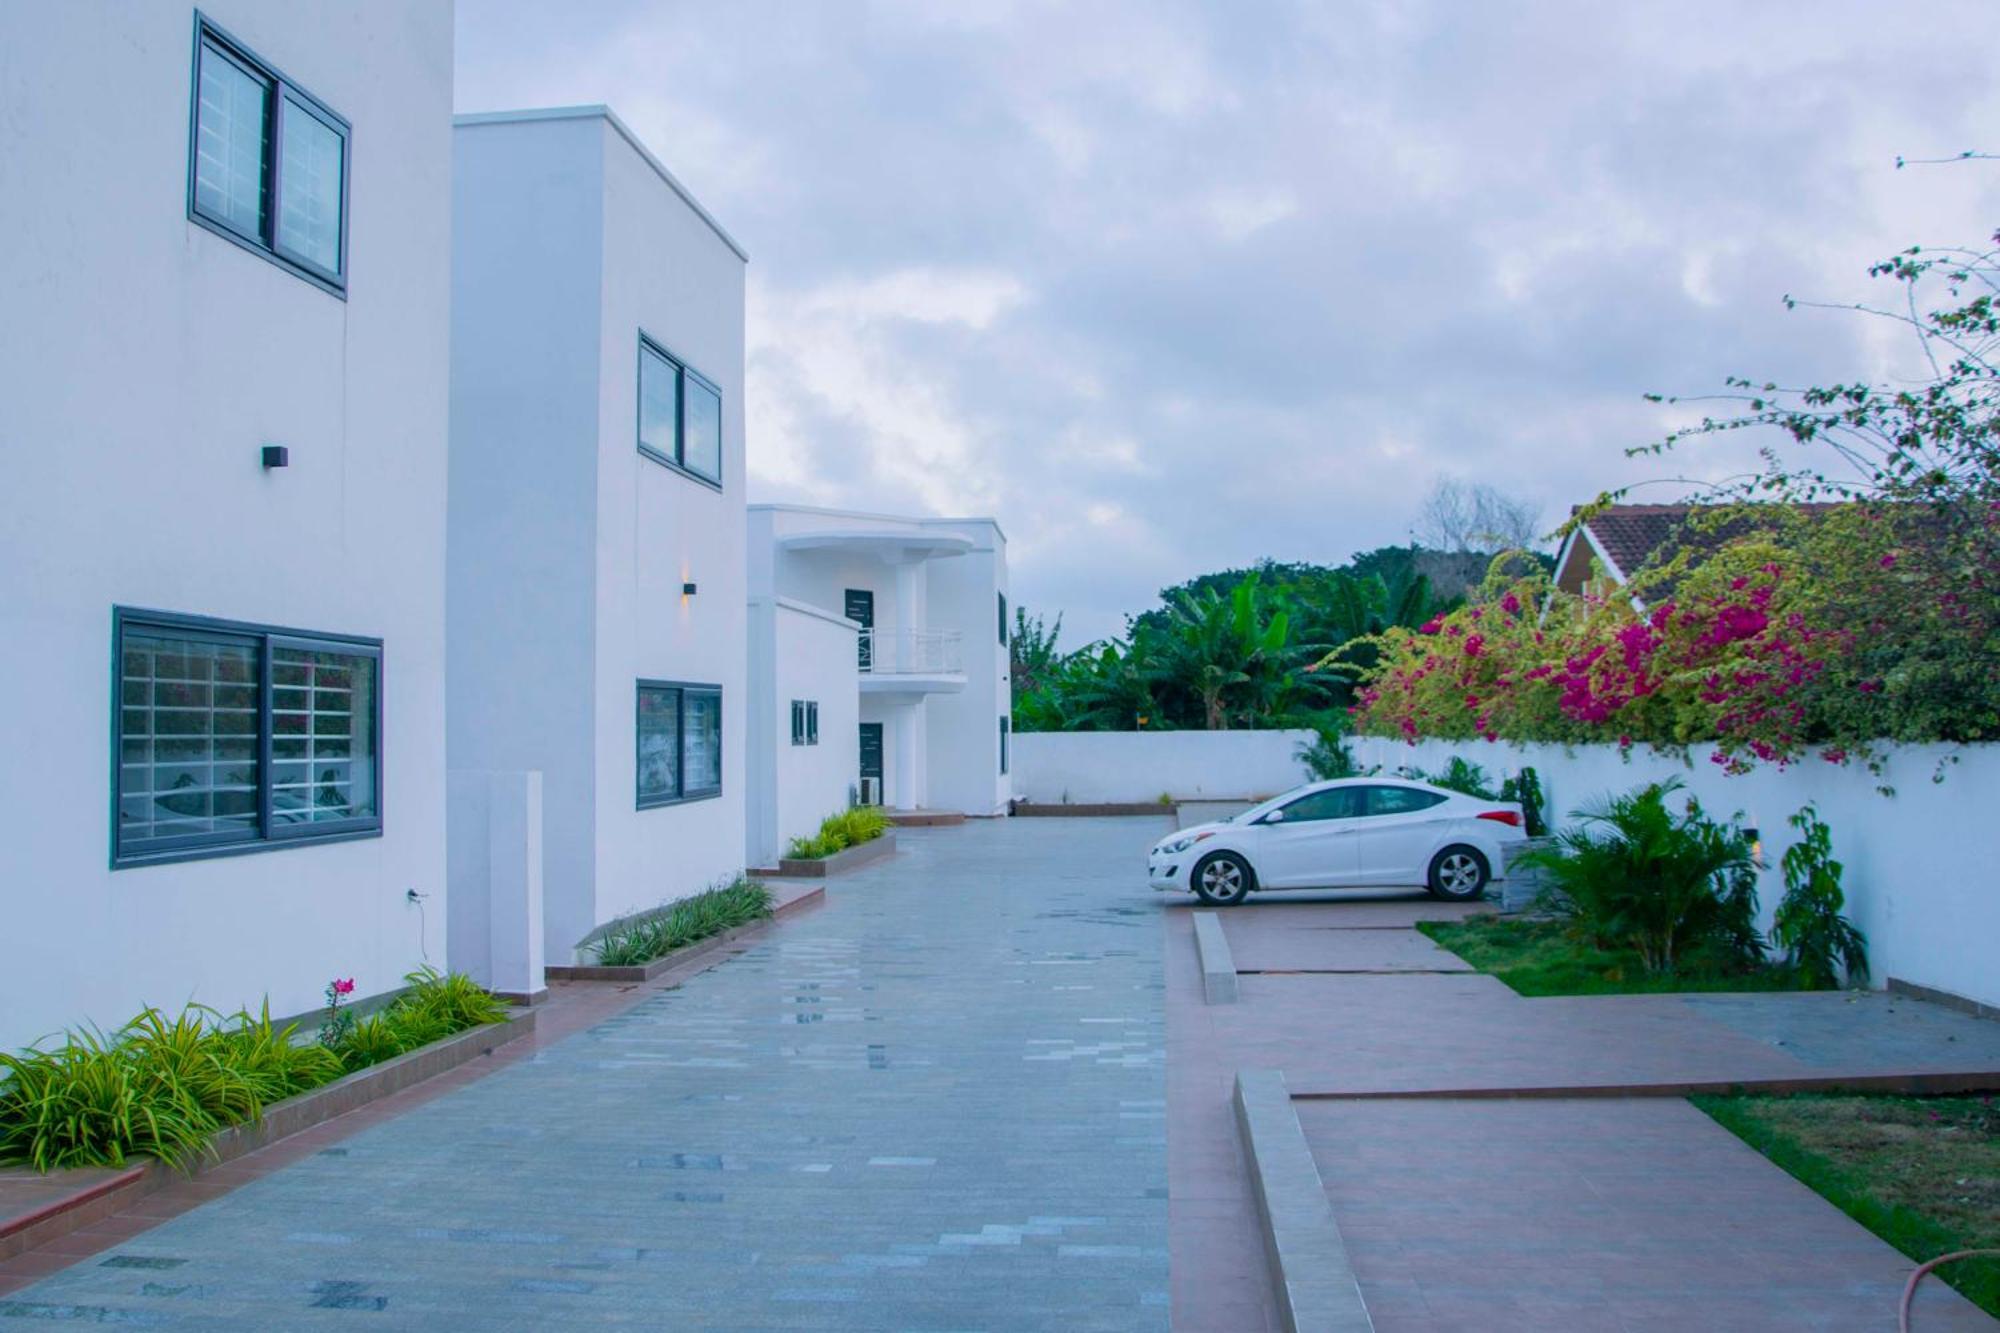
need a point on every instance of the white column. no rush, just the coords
(493, 917)
(907, 783)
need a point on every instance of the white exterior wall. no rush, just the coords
(940, 738)
(799, 652)
(143, 362)
(569, 546)
(528, 227)
(668, 273)
(1130, 767)
(964, 731)
(1917, 878)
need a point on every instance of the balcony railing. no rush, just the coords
(912, 652)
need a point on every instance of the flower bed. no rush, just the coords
(165, 1088)
(642, 940)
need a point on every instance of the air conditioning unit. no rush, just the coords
(871, 791)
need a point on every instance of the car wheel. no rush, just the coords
(1459, 874)
(1223, 879)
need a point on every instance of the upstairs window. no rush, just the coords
(805, 722)
(241, 737)
(1006, 729)
(1003, 619)
(680, 414)
(268, 162)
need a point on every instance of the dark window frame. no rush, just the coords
(805, 722)
(267, 836)
(680, 689)
(1006, 732)
(677, 461)
(1003, 618)
(285, 98)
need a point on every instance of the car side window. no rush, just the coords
(1400, 800)
(1333, 803)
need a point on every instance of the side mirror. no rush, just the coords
(1275, 817)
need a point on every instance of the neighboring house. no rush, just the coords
(223, 412)
(597, 611)
(1609, 549)
(892, 633)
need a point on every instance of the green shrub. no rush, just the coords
(1326, 755)
(838, 832)
(163, 1087)
(1462, 775)
(1819, 942)
(1525, 788)
(710, 912)
(1634, 875)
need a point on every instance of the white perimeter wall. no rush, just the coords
(810, 656)
(1086, 767)
(143, 362)
(1919, 878)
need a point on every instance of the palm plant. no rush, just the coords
(1633, 874)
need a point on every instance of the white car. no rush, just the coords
(1348, 833)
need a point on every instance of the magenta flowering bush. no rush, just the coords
(1821, 633)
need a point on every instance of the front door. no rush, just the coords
(871, 761)
(861, 610)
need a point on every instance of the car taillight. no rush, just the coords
(1507, 817)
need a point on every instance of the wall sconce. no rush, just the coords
(687, 590)
(277, 455)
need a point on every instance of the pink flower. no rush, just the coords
(345, 987)
(1888, 561)
(1473, 644)
(1511, 604)
(1431, 626)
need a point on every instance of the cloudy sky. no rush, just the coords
(1169, 287)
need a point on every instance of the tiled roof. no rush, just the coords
(1636, 536)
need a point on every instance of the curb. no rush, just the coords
(1218, 969)
(1315, 1286)
(842, 861)
(638, 972)
(281, 1120)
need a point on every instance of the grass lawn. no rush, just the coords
(1540, 958)
(1923, 1173)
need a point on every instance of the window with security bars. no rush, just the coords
(678, 742)
(268, 162)
(805, 722)
(235, 737)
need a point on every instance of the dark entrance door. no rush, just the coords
(861, 610)
(871, 760)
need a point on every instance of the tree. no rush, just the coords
(1031, 651)
(1473, 516)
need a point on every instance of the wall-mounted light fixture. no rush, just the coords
(277, 455)
(687, 590)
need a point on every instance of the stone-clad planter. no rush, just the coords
(97, 1196)
(839, 863)
(1522, 888)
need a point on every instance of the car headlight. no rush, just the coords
(1182, 843)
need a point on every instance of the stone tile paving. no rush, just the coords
(938, 1103)
(1637, 1215)
(1478, 1214)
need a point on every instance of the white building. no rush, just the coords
(224, 272)
(892, 634)
(597, 599)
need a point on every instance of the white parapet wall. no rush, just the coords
(1127, 767)
(1919, 878)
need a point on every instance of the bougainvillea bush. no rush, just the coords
(1822, 631)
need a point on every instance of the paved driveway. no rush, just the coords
(938, 1103)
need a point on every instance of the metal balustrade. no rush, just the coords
(911, 652)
